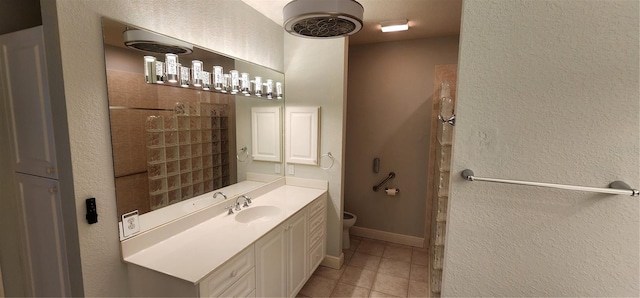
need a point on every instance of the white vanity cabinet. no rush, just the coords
(276, 256)
(280, 258)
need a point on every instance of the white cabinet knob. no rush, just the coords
(50, 170)
(53, 190)
(234, 273)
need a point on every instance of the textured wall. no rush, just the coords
(547, 91)
(225, 26)
(315, 75)
(389, 108)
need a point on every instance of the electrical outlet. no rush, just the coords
(277, 168)
(291, 170)
(130, 223)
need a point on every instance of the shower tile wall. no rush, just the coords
(131, 102)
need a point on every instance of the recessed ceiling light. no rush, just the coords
(393, 26)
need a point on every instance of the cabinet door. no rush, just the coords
(271, 264)
(23, 74)
(45, 247)
(297, 252)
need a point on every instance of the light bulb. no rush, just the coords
(235, 81)
(184, 76)
(226, 81)
(171, 64)
(269, 89)
(218, 78)
(278, 90)
(149, 69)
(258, 86)
(206, 80)
(244, 83)
(196, 70)
(160, 76)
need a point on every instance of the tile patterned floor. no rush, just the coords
(372, 268)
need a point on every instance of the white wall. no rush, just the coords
(547, 91)
(315, 75)
(390, 101)
(225, 26)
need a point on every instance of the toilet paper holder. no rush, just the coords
(397, 189)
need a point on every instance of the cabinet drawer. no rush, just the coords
(317, 206)
(227, 274)
(316, 222)
(316, 255)
(243, 287)
(316, 237)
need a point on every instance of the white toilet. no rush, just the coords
(348, 220)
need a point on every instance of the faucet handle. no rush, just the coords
(230, 208)
(247, 199)
(246, 203)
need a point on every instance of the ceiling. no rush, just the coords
(427, 18)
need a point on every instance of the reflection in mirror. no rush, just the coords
(173, 145)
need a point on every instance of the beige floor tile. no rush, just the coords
(347, 255)
(365, 261)
(357, 277)
(390, 284)
(395, 268)
(318, 286)
(419, 273)
(354, 244)
(418, 289)
(419, 257)
(420, 249)
(372, 247)
(329, 273)
(397, 253)
(377, 294)
(345, 290)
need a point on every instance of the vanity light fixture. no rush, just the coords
(196, 70)
(269, 89)
(160, 76)
(184, 77)
(171, 65)
(226, 81)
(244, 83)
(235, 81)
(150, 69)
(218, 78)
(446, 114)
(278, 90)
(393, 26)
(258, 88)
(206, 80)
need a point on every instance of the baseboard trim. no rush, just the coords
(387, 236)
(333, 262)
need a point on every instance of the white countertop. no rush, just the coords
(196, 252)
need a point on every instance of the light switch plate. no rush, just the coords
(291, 170)
(277, 168)
(130, 223)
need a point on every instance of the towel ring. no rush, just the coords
(240, 152)
(332, 160)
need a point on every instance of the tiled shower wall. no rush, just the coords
(131, 102)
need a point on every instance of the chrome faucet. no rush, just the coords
(230, 208)
(247, 201)
(219, 193)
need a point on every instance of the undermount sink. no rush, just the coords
(260, 213)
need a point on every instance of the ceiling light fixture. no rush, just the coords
(393, 26)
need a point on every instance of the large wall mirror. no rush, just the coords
(177, 139)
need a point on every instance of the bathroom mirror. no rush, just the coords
(173, 145)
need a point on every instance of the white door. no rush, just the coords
(42, 222)
(297, 253)
(23, 74)
(271, 264)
